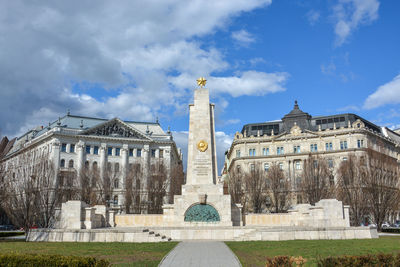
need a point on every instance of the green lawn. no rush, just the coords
(253, 253)
(121, 254)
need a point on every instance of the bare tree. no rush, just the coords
(236, 185)
(157, 187)
(382, 185)
(177, 180)
(315, 184)
(133, 189)
(278, 188)
(350, 188)
(255, 183)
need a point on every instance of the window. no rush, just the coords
(96, 150)
(266, 151)
(238, 168)
(72, 148)
(139, 153)
(109, 151)
(238, 153)
(116, 167)
(252, 152)
(279, 150)
(328, 146)
(299, 199)
(115, 200)
(360, 143)
(87, 149)
(344, 158)
(313, 148)
(266, 167)
(252, 167)
(117, 151)
(330, 163)
(94, 166)
(116, 183)
(331, 180)
(153, 153)
(86, 165)
(71, 164)
(161, 153)
(131, 152)
(343, 144)
(64, 148)
(297, 165)
(62, 163)
(109, 166)
(281, 165)
(296, 149)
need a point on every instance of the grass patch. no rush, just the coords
(253, 253)
(120, 254)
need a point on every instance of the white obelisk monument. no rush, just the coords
(202, 201)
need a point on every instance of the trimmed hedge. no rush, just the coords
(285, 261)
(391, 230)
(7, 234)
(15, 260)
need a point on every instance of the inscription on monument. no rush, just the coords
(202, 165)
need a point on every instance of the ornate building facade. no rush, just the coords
(290, 141)
(76, 143)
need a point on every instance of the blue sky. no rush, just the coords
(139, 60)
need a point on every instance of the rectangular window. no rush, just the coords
(328, 146)
(279, 150)
(343, 144)
(131, 152)
(266, 167)
(360, 143)
(87, 149)
(96, 150)
(117, 151)
(296, 149)
(161, 154)
(109, 151)
(153, 153)
(344, 158)
(252, 152)
(238, 153)
(72, 148)
(139, 153)
(313, 147)
(252, 167)
(266, 151)
(330, 163)
(64, 148)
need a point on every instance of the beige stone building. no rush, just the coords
(290, 141)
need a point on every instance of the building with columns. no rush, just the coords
(291, 140)
(72, 143)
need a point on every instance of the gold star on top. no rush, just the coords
(201, 82)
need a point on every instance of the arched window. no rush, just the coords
(94, 165)
(62, 163)
(71, 164)
(116, 183)
(86, 165)
(115, 200)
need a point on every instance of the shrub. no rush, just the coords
(384, 260)
(390, 230)
(14, 260)
(7, 234)
(279, 261)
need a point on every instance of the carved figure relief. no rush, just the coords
(296, 130)
(116, 130)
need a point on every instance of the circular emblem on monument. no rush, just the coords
(202, 145)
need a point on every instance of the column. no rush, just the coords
(103, 161)
(55, 157)
(80, 148)
(146, 171)
(168, 164)
(124, 171)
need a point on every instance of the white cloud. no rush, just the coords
(389, 93)
(243, 37)
(350, 14)
(223, 142)
(134, 49)
(328, 69)
(313, 17)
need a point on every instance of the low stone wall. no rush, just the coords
(277, 219)
(135, 220)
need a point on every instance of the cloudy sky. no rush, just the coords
(139, 60)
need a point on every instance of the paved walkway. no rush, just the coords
(200, 253)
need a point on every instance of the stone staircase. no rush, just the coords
(155, 236)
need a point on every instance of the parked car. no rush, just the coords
(7, 227)
(385, 225)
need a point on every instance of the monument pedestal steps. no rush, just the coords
(202, 212)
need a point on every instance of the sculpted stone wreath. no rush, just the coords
(202, 145)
